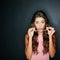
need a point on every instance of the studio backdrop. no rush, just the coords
(17, 15)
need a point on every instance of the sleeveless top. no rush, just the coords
(40, 55)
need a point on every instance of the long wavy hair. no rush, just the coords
(35, 43)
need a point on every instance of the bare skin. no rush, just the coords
(39, 22)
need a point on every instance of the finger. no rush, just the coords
(50, 27)
(32, 29)
(53, 31)
(47, 28)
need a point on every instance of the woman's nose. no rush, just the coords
(40, 24)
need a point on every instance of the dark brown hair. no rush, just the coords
(45, 34)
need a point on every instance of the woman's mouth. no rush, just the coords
(39, 28)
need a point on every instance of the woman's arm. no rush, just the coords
(52, 46)
(28, 43)
(28, 47)
(52, 49)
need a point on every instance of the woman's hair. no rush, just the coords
(35, 43)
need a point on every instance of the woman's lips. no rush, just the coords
(39, 28)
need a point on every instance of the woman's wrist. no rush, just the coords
(50, 38)
(30, 38)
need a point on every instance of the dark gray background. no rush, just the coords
(16, 19)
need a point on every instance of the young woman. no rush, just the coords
(40, 38)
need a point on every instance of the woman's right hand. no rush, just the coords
(31, 32)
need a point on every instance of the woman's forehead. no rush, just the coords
(39, 19)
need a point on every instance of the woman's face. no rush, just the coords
(39, 23)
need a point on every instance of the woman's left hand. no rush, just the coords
(50, 30)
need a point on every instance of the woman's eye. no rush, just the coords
(42, 22)
(37, 22)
